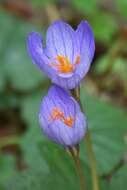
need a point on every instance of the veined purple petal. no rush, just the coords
(85, 37)
(56, 129)
(64, 100)
(36, 52)
(61, 40)
(67, 83)
(86, 45)
(80, 131)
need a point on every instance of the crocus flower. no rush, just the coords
(60, 117)
(68, 53)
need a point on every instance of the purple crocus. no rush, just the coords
(68, 53)
(60, 117)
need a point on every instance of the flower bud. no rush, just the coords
(60, 117)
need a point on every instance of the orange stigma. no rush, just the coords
(64, 65)
(69, 121)
(57, 114)
(77, 61)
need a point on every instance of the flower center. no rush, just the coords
(69, 121)
(64, 65)
(57, 114)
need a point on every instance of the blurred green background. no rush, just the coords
(28, 161)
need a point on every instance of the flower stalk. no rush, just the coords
(88, 141)
(92, 161)
(75, 155)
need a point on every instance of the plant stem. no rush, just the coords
(78, 169)
(92, 160)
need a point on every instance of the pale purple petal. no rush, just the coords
(86, 45)
(80, 127)
(61, 40)
(36, 52)
(85, 37)
(57, 130)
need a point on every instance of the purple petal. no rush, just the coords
(64, 101)
(61, 40)
(86, 45)
(67, 83)
(80, 127)
(35, 50)
(85, 37)
(56, 129)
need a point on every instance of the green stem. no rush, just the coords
(92, 160)
(78, 169)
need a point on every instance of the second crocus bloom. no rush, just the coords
(61, 119)
(67, 56)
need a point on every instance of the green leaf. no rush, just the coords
(60, 161)
(104, 26)
(48, 164)
(119, 180)
(30, 106)
(17, 65)
(107, 124)
(86, 7)
(122, 7)
(61, 173)
(103, 64)
(120, 69)
(39, 180)
(2, 78)
(7, 169)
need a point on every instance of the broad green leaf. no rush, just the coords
(59, 161)
(61, 173)
(17, 65)
(108, 126)
(38, 180)
(30, 106)
(118, 181)
(7, 169)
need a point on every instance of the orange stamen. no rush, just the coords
(69, 121)
(57, 114)
(77, 61)
(64, 65)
